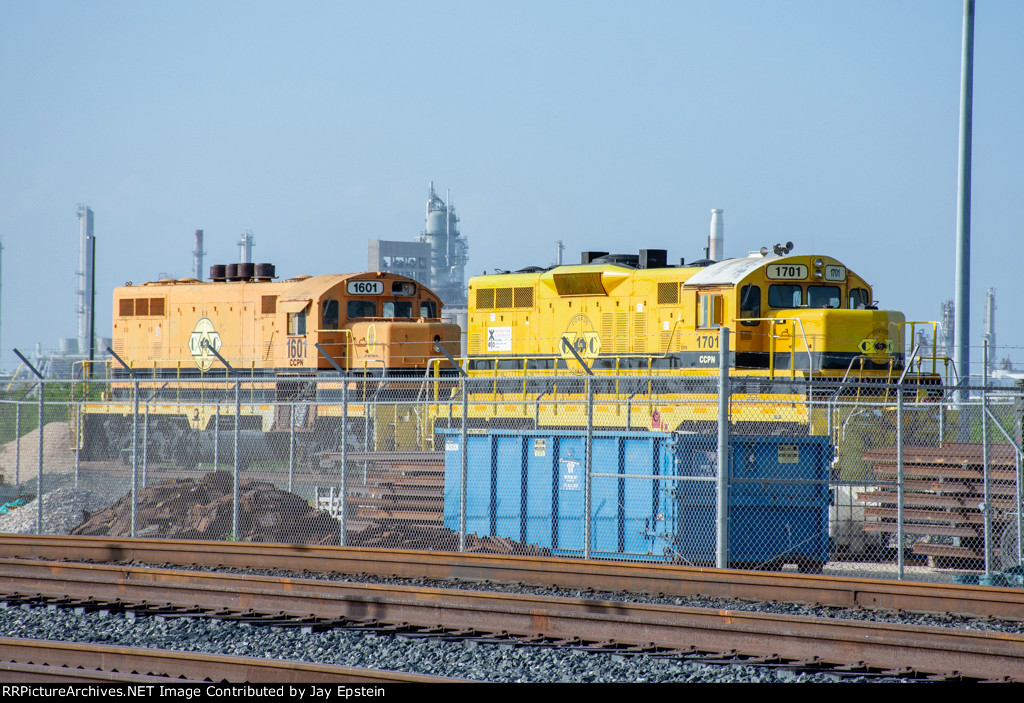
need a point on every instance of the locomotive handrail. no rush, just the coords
(830, 404)
(440, 347)
(935, 332)
(329, 358)
(908, 363)
(792, 355)
(128, 368)
(347, 334)
(205, 344)
(671, 335)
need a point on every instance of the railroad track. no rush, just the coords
(606, 624)
(39, 661)
(600, 576)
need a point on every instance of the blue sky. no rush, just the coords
(607, 125)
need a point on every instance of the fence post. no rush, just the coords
(79, 438)
(145, 445)
(464, 457)
(238, 457)
(135, 455)
(899, 483)
(135, 437)
(291, 445)
(588, 458)
(39, 480)
(722, 526)
(986, 483)
(344, 462)
(216, 438)
(17, 442)
(1018, 464)
(942, 418)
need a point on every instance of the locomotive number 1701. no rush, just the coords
(786, 272)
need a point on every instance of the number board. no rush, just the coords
(787, 272)
(835, 273)
(366, 288)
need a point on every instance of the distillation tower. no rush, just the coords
(449, 250)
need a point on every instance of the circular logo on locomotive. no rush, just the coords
(878, 344)
(581, 336)
(204, 338)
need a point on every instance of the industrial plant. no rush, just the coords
(437, 257)
(86, 346)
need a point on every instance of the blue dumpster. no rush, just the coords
(778, 500)
(653, 494)
(529, 486)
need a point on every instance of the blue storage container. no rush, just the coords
(778, 500)
(529, 486)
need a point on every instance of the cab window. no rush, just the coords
(750, 304)
(398, 308)
(710, 314)
(297, 323)
(330, 314)
(824, 297)
(428, 308)
(361, 308)
(785, 296)
(859, 299)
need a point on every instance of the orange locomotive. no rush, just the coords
(187, 342)
(366, 323)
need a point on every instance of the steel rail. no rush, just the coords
(28, 660)
(941, 651)
(601, 576)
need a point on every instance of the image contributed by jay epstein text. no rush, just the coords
(191, 691)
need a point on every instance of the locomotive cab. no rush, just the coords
(369, 324)
(801, 313)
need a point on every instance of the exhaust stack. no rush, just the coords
(716, 242)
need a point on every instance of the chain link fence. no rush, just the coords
(889, 481)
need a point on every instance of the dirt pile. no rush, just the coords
(202, 509)
(58, 456)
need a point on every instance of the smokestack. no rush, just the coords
(197, 256)
(990, 326)
(85, 278)
(716, 242)
(245, 248)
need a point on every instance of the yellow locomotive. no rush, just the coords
(805, 319)
(186, 343)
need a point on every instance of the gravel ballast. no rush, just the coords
(468, 659)
(63, 509)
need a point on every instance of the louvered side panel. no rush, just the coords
(621, 345)
(639, 332)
